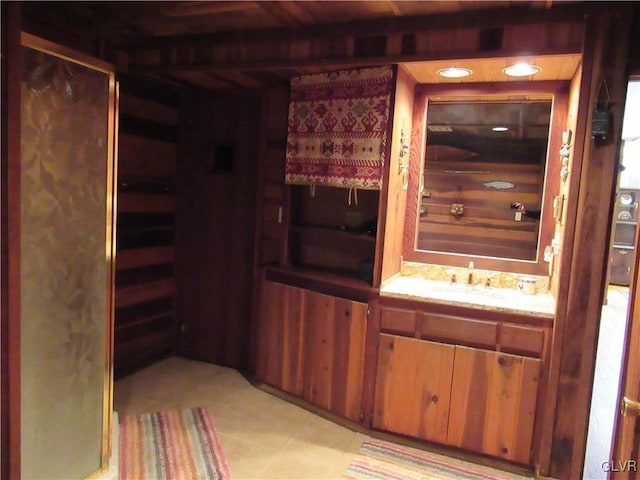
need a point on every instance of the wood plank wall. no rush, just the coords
(272, 192)
(145, 324)
(216, 179)
(271, 196)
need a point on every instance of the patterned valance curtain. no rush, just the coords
(338, 126)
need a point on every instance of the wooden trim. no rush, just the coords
(10, 241)
(321, 282)
(624, 429)
(335, 63)
(564, 270)
(391, 155)
(61, 51)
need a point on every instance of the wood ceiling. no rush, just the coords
(226, 44)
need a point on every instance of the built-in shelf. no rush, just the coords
(336, 231)
(341, 283)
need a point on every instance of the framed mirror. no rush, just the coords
(485, 175)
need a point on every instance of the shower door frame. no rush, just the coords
(54, 49)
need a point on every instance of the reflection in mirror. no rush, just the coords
(484, 178)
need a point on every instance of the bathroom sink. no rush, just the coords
(475, 296)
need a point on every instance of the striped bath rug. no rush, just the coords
(379, 460)
(171, 445)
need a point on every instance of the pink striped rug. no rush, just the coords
(171, 445)
(378, 460)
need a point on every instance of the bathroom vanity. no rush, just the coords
(476, 369)
(426, 308)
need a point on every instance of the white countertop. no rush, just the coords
(496, 299)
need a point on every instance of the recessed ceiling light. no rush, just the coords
(521, 70)
(500, 129)
(454, 72)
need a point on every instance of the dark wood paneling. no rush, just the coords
(215, 225)
(145, 323)
(270, 234)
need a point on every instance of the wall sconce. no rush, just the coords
(403, 160)
(565, 152)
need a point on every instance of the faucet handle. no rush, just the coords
(487, 282)
(453, 275)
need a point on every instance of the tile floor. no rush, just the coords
(267, 438)
(263, 436)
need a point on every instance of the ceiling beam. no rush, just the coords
(493, 18)
(322, 63)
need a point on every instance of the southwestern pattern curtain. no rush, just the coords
(338, 126)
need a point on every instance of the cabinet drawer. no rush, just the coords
(459, 330)
(396, 320)
(523, 340)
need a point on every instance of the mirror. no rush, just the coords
(483, 177)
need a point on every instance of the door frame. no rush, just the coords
(10, 240)
(625, 446)
(13, 39)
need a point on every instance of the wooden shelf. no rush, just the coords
(340, 283)
(337, 231)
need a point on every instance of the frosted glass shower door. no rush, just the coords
(67, 145)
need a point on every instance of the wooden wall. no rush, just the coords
(584, 253)
(271, 195)
(271, 191)
(217, 174)
(145, 325)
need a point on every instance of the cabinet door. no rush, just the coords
(280, 337)
(334, 353)
(413, 386)
(493, 400)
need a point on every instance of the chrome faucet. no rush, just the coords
(470, 274)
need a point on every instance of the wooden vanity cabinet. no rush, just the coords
(454, 382)
(493, 403)
(312, 345)
(280, 343)
(413, 387)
